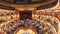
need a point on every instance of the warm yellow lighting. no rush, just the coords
(21, 9)
(28, 31)
(33, 15)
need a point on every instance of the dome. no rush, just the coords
(24, 1)
(38, 4)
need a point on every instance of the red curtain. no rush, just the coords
(21, 16)
(29, 15)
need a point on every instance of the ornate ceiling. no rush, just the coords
(23, 1)
(22, 4)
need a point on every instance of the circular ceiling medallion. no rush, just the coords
(25, 30)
